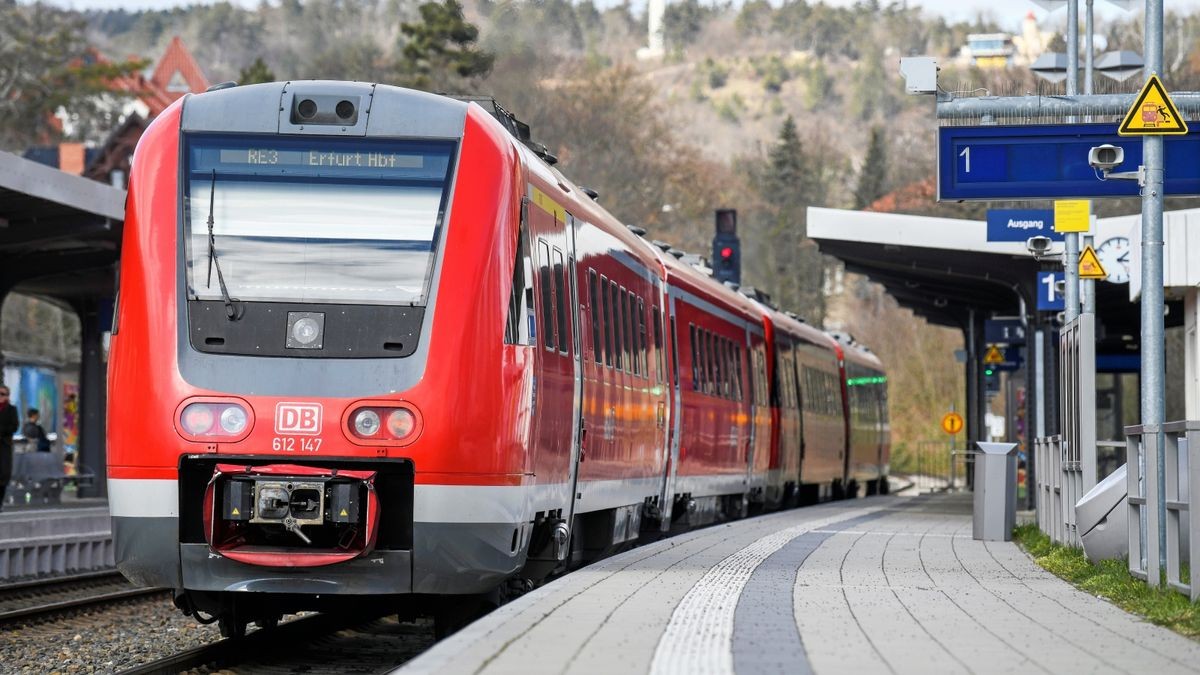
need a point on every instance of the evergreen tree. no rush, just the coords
(794, 269)
(873, 176)
(46, 64)
(256, 73)
(438, 51)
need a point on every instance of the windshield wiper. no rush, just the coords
(232, 312)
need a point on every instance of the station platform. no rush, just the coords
(73, 536)
(883, 584)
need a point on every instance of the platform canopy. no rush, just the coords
(60, 234)
(941, 268)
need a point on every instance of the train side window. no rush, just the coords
(594, 309)
(718, 365)
(618, 325)
(516, 328)
(727, 363)
(731, 360)
(561, 288)
(710, 368)
(606, 318)
(630, 332)
(737, 371)
(658, 343)
(705, 367)
(695, 361)
(547, 295)
(711, 362)
(718, 374)
(765, 390)
(643, 350)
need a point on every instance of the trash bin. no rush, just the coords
(1102, 520)
(995, 491)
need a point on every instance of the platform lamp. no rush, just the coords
(1119, 65)
(1051, 67)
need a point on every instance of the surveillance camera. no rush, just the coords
(1106, 157)
(1038, 246)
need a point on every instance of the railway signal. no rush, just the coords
(727, 249)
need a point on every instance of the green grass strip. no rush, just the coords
(1111, 580)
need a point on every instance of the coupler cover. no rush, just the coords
(286, 515)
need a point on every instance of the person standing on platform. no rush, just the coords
(9, 423)
(34, 433)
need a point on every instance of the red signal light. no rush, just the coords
(726, 253)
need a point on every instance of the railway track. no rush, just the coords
(44, 599)
(313, 645)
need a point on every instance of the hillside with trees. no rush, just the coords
(762, 107)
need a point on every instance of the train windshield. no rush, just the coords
(314, 220)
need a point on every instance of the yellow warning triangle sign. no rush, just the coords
(1152, 113)
(343, 514)
(1089, 265)
(993, 355)
(236, 512)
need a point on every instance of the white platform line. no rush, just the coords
(699, 636)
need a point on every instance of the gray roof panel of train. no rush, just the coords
(381, 110)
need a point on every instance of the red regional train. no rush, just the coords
(372, 346)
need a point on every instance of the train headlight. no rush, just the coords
(389, 423)
(400, 423)
(366, 423)
(212, 419)
(197, 419)
(233, 420)
(305, 330)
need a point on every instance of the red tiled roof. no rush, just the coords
(155, 92)
(177, 59)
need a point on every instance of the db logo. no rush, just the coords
(298, 418)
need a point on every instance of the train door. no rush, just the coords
(570, 282)
(674, 416)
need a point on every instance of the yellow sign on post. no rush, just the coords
(952, 423)
(1152, 113)
(993, 356)
(1089, 265)
(1072, 215)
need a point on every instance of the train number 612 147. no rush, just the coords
(293, 444)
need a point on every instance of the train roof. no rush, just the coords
(856, 352)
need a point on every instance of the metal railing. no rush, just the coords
(1059, 487)
(1180, 443)
(1142, 490)
(934, 466)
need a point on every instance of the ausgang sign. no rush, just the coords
(1021, 224)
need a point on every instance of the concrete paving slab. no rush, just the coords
(882, 584)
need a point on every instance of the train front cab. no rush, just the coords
(301, 363)
(867, 419)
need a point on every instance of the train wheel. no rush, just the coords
(232, 627)
(454, 613)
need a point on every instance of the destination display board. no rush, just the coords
(1051, 162)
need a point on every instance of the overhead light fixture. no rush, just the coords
(1120, 65)
(1051, 67)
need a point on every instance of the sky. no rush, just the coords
(1008, 13)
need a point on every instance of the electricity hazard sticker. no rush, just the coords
(1152, 113)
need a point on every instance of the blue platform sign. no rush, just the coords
(1012, 360)
(1048, 297)
(1021, 224)
(1051, 162)
(1003, 331)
